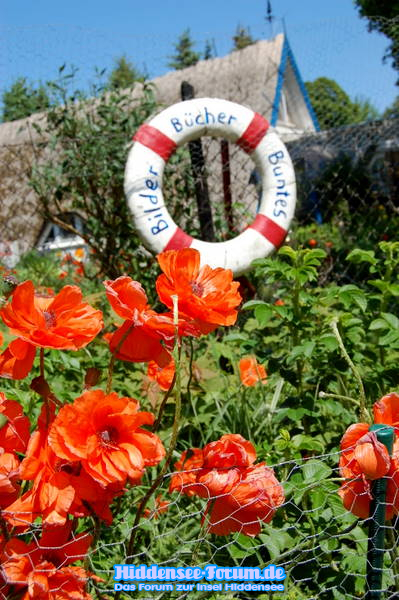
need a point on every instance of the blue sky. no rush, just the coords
(327, 37)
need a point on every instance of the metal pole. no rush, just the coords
(375, 549)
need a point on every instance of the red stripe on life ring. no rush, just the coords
(179, 240)
(155, 140)
(269, 229)
(253, 133)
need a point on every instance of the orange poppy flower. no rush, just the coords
(161, 506)
(17, 359)
(363, 454)
(144, 331)
(162, 375)
(9, 477)
(251, 372)
(60, 487)
(224, 462)
(14, 426)
(43, 568)
(208, 296)
(184, 480)
(356, 494)
(62, 322)
(104, 433)
(241, 495)
(252, 500)
(364, 459)
(386, 411)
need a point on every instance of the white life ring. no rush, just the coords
(154, 143)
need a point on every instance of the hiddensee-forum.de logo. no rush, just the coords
(216, 578)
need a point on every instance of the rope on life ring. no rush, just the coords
(156, 141)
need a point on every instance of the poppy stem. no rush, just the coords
(46, 400)
(172, 445)
(364, 415)
(163, 404)
(338, 397)
(3, 527)
(41, 363)
(113, 359)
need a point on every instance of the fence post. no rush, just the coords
(376, 538)
(200, 182)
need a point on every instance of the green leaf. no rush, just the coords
(288, 251)
(315, 470)
(3, 420)
(350, 294)
(358, 256)
(378, 324)
(263, 313)
(391, 319)
(329, 341)
(253, 304)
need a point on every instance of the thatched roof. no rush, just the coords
(262, 76)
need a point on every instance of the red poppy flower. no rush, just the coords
(104, 433)
(14, 426)
(162, 375)
(144, 331)
(251, 372)
(208, 296)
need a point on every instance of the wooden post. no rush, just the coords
(200, 181)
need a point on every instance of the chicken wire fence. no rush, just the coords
(322, 547)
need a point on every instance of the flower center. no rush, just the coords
(109, 436)
(50, 318)
(197, 288)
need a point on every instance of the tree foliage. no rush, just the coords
(392, 111)
(242, 38)
(184, 54)
(88, 150)
(333, 106)
(22, 100)
(209, 50)
(383, 16)
(124, 74)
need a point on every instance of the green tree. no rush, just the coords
(124, 74)
(208, 51)
(22, 100)
(333, 106)
(383, 16)
(242, 38)
(392, 111)
(184, 54)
